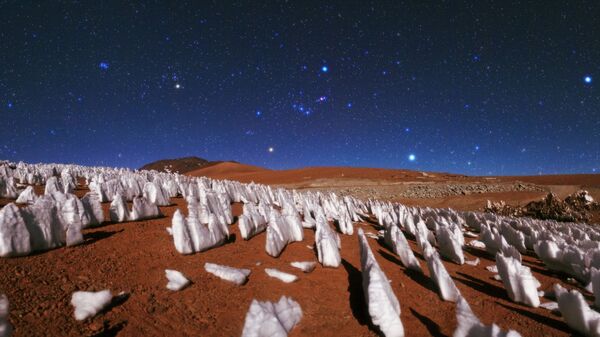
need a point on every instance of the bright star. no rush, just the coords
(412, 157)
(10, 105)
(349, 105)
(587, 79)
(476, 147)
(324, 69)
(177, 86)
(104, 65)
(322, 99)
(258, 113)
(271, 149)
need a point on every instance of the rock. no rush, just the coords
(577, 207)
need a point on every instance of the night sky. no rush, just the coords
(481, 88)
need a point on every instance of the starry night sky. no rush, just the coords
(481, 88)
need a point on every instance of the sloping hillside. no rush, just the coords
(230, 171)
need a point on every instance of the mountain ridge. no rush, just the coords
(182, 165)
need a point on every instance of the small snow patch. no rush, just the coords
(470, 234)
(5, 327)
(372, 235)
(285, 277)
(552, 306)
(476, 244)
(88, 304)
(306, 266)
(272, 319)
(169, 230)
(236, 275)
(492, 268)
(177, 280)
(472, 262)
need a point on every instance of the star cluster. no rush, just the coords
(469, 87)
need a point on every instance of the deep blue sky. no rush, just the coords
(482, 88)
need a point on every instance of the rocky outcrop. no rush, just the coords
(577, 207)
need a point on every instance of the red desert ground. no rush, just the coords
(506, 269)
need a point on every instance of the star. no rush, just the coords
(177, 86)
(9, 105)
(324, 69)
(412, 157)
(258, 113)
(271, 149)
(104, 65)
(587, 79)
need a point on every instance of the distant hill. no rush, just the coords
(228, 170)
(247, 173)
(181, 165)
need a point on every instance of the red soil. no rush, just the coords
(229, 170)
(248, 173)
(131, 257)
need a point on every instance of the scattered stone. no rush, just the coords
(577, 207)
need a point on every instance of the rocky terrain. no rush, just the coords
(577, 207)
(429, 190)
(181, 165)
